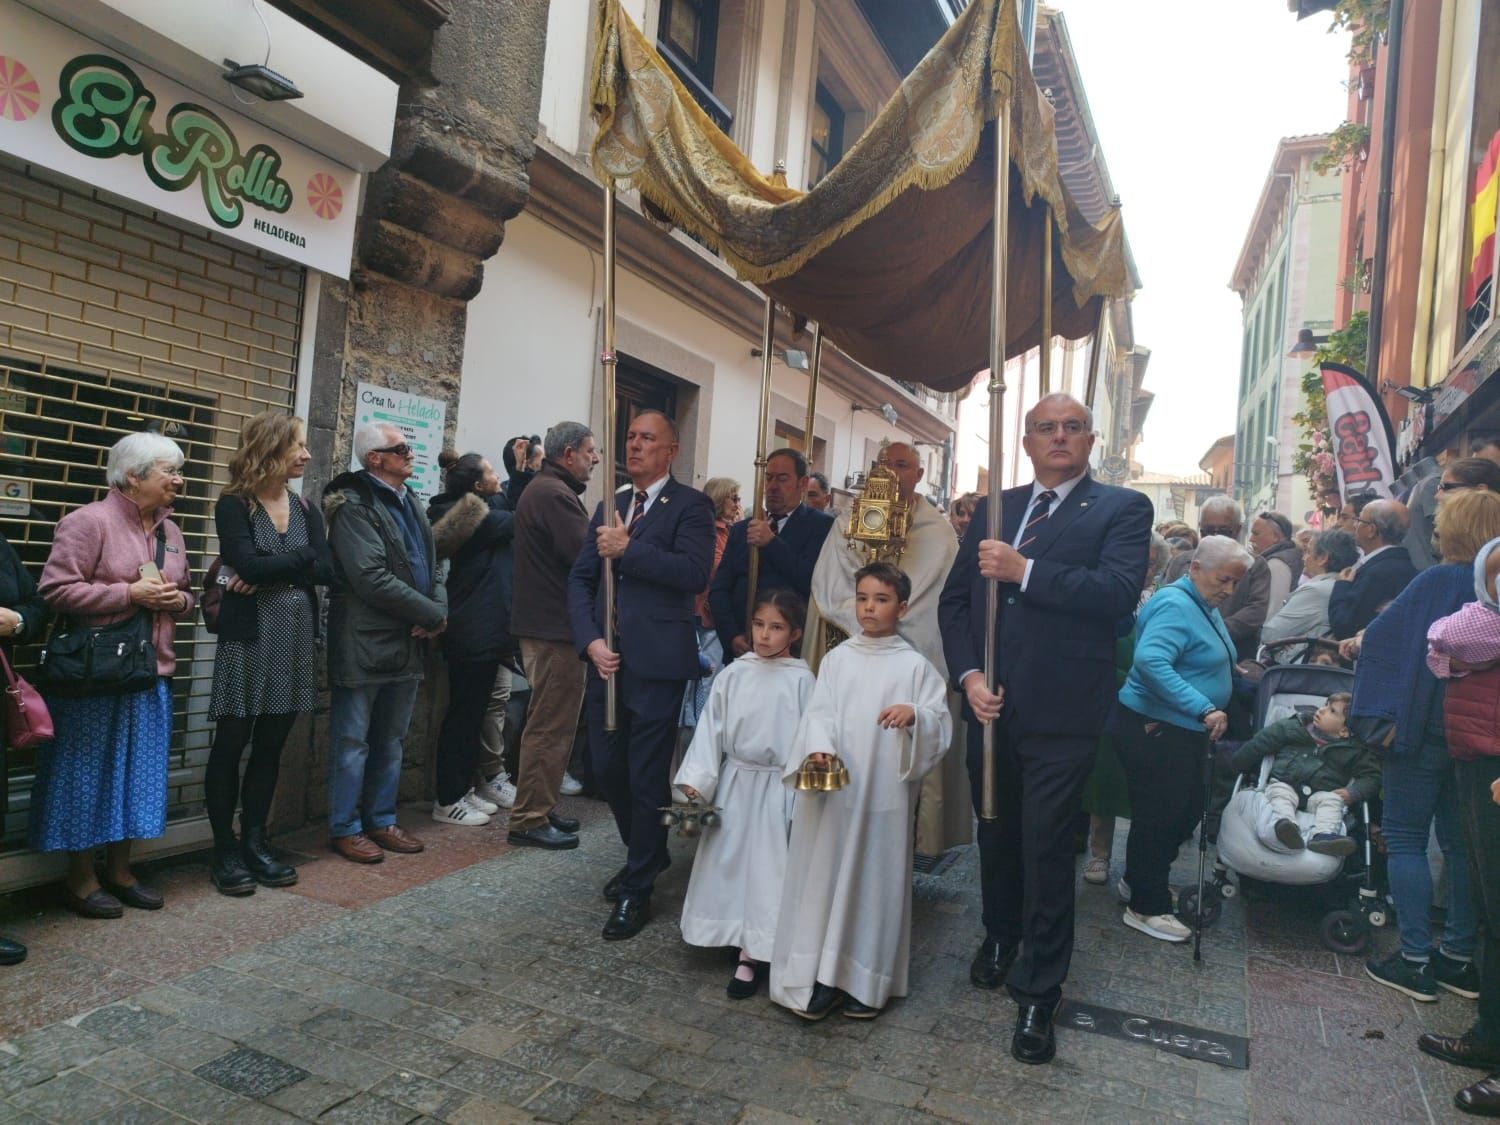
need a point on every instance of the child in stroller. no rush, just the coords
(1318, 766)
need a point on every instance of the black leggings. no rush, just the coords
(267, 735)
(470, 684)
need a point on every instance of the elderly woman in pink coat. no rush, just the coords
(104, 780)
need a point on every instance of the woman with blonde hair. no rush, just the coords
(274, 555)
(103, 781)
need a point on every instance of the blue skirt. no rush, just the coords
(104, 778)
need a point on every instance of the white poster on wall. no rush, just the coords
(75, 106)
(420, 421)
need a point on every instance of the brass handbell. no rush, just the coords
(689, 817)
(813, 778)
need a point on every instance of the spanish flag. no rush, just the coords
(1482, 222)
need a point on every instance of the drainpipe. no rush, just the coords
(1421, 361)
(1383, 198)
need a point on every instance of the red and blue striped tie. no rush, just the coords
(1039, 513)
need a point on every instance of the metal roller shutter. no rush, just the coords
(113, 319)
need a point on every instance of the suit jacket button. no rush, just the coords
(1010, 601)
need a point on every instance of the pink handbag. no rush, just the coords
(27, 720)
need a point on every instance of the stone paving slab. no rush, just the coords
(474, 987)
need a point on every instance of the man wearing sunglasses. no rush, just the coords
(386, 603)
(1383, 571)
(1249, 606)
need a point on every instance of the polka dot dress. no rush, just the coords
(277, 673)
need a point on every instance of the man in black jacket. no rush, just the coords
(790, 537)
(1381, 574)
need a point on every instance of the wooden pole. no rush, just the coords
(607, 362)
(767, 342)
(987, 803)
(1045, 380)
(814, 366)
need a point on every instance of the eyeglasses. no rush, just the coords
(1357, 519)
(400, 450)
(1072, 427)
(1228, 530)
(1452, 486)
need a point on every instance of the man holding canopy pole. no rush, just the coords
(1069, 562)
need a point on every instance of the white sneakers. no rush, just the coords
(498, 791)
(1163, 927)
(475, 801)
(571, 786)
(460, 812)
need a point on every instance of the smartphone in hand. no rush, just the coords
(149, 570)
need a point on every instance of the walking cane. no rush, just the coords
(1208, 783)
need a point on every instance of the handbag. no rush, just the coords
(27, 720)
(92, 660)
(211, 601)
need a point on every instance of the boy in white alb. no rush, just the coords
(844, 934)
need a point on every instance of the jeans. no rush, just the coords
(1481, 828)
(367, 726)
(1420, 794)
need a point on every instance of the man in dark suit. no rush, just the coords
(660, 541)
(1070, 560)
(790, 538)
(1381, 573)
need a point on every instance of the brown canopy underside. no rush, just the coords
(891, 252)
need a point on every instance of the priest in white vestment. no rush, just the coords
(845, 917)
(739, 751)
(945, 816)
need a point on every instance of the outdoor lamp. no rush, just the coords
(261, 81)
(1306, 345)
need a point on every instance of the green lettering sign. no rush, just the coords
(104, 110)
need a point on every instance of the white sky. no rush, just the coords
(1189, 107)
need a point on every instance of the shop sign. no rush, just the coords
(420, 421)
(73, 106)
(15, 497)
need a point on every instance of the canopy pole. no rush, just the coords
(1096, 352)
(767, 341)
(814, 367)
(987, 801)
(1045, 369)
(607, 361)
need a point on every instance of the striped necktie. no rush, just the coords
(638, 511)
(1039, 513)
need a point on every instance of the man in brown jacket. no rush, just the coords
(551, 525)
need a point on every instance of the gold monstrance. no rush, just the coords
(877, 522)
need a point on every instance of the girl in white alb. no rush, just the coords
(736, 759)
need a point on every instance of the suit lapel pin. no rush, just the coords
(662, 499)
(1083, 503)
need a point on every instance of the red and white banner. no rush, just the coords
(1359, 433)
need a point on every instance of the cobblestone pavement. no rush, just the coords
(475, 988)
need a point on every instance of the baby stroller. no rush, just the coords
(1287, 689)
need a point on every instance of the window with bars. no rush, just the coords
(112, 320)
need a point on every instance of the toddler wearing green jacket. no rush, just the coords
(1319, 766)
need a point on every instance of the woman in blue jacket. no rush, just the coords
(1178, 686)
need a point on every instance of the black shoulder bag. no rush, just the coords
(90, 660)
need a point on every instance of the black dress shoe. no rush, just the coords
(823, 1002)
(11, 952)
(138, 895)
(1481, 1099)
(562, 823)
(991, 963)
(629, 915)
(95, 904)
(229, 874)
(612, 888)
(1034, 1041)
(744, 989)
(854, 1010)
(1461, 1050)
(543, 836)
(263, 864)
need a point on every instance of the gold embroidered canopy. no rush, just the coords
(891, 252)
